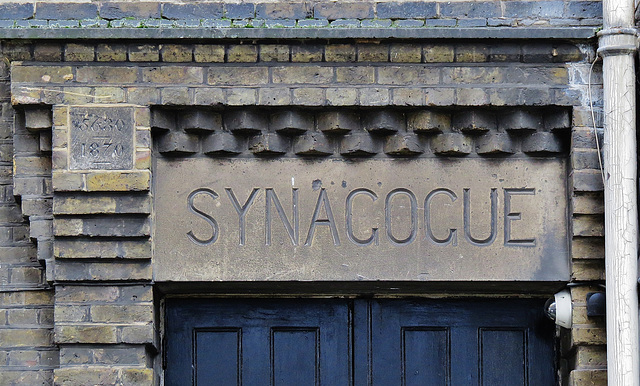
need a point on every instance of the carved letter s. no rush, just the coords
(210, 220)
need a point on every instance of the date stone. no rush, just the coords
(101, 138)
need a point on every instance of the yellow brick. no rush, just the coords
(41, 74)
(72, 205)
(86, 375)
(85, 334)
(588, 378)
(581, 335)
(118, 181)
(67, 226)
(66, 181)
(136, 377)
(143, 159)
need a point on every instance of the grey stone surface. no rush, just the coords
(409, 9)
(101, 138)
(192, 11)
(66, 11)
(239, 10)
(302, 33)
(325, 242)
(15, 11)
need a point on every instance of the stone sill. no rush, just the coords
(301, 33)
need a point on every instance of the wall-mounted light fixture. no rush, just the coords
(559, 308)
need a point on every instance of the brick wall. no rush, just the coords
(27, 355)
(103, 304)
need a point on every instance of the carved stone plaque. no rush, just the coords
(101, 138)
(377, 219)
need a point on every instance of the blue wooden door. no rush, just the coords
(358, 342)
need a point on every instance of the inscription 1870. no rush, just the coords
(101, 138)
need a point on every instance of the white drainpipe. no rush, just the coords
(617, 46)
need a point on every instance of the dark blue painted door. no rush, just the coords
(358, 342)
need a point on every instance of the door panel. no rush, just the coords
(359, 342)
(258, 342)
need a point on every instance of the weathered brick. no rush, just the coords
(137, 334)
(303, 74)
(377, 96)
(175, 53)
(136, 376)
(64, 181)
(440, 96)
(66, 11)
(355, 75)
(240, 10)
(471, 97)
(588, 225)
(22, 377)
(307, 53)
(404, 10)
(36, 74)
(144, 53)
(173, 74)
(346, 10)
(588, 377)
(208, 53)
(121, 10)
(86, 294)
(587, 270)
(178, 142)
(408, 75)
(291, 122)
(242, 53)
(175, 96)
(192, 11)
(587, 248)
(405, 53)
(297, 10)
(143, 95)
(208, 96)
(85, 375)
(222, 143)
(82, 203)
(74, 52)
(358, 144)
(312, 144)
(47, 52)
(341, 96)
(274, 53)
(237, 75)
(585, 159)
(78, 355)
(16, 11)
(471, 53)
(241, 96)
(245, 121)
(308, 96)
(590, 357)
(340, 53)
(126, 249)
(452, 144)
(373, 52)
(122, 313)
(438, 53)
(274, 96)
(111, 271)
(428, 121)
(587, 180)
(110, 94)
(38, 337)
(118, 181)
(71, 313)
